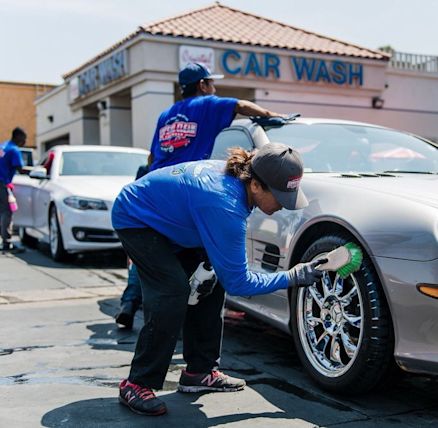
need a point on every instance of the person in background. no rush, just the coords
(186, 131)
(131, 297)
(11, 160)
(163, 220)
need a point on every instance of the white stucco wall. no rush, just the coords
(410, 98)
(115, 122)
(148, 100)
(411, 102)
(65, 121)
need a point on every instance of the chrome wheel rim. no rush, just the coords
(330, 323)
(53, 233)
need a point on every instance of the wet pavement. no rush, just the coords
(62, 357)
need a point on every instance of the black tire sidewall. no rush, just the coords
(26, 239)
(370, 364)
(60, 253)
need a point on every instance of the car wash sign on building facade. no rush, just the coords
(99, 75)
(303, 69)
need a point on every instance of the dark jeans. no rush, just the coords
(5, 214)
(132, 291)
(164, 280)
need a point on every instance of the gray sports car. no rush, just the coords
(378, 188)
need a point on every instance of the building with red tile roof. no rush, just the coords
(115, 98)
(221, 23)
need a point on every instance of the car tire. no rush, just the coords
(342, 329)
(56, 243)
(26, 239)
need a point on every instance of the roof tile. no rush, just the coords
(222, 23)
(225, 24)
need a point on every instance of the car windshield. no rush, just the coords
(101, 163)
(357, 148)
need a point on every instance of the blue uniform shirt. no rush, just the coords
(195, 204)
(10, 161)
(187, 130)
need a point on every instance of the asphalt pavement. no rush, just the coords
(62, 357)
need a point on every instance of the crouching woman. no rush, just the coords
(163, 220)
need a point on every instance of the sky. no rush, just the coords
(40, 40)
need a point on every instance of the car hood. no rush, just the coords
(105, 188)
(421, 188)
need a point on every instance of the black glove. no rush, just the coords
(201, 283)
(275, 121)
(305, 274)
(206, 288)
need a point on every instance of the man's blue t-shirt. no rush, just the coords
(10, 161)
(195, 204)
(187, 130)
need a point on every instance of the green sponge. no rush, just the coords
(353, 265)
(344, 260)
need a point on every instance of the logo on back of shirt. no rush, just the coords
(177, 133)
(179, 170)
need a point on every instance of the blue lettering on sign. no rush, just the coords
(302, 66)
(318, 70)
(228, 56)
(355, 74)
(304, 69)
(272, 62)
(339, 72)
(103, 73)
(322, 73)
(232, 63)
(252, 65)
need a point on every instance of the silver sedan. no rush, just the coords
(378, 188)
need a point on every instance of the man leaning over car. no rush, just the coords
(186, 131)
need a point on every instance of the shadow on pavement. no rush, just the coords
(244, 337)
(109, 335)
(99, 259)
(109, 306)
(108, 412)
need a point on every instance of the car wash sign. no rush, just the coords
(104, 72)
(303, 69)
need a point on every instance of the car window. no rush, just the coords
(101, 163)
(27, 157)
(230, 138)
(345, 148)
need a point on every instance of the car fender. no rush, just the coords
(389, 225)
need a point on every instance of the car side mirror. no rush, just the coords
(39, 172)
(25, 170)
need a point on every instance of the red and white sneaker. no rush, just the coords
(212, 381)
(140, 399)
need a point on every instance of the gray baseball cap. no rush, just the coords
(281, 169)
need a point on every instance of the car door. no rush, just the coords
(228, 138)
(268, 237)
(271, 237)
(23, 189)
(41, 196)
